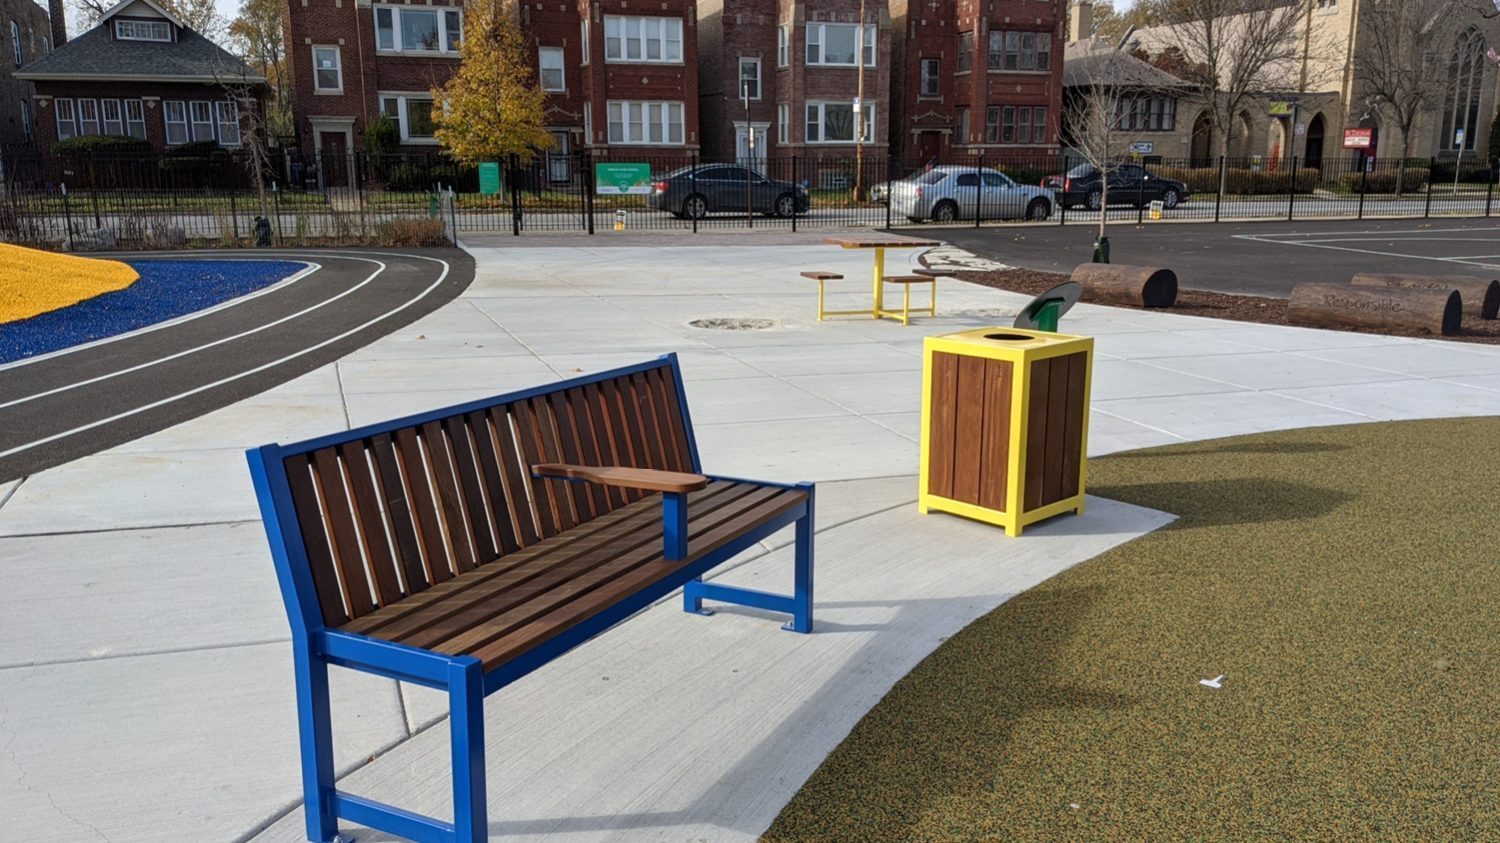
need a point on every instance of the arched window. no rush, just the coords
(1461, 104)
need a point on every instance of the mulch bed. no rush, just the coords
(1269, 311)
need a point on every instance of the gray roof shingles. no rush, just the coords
(96, 54)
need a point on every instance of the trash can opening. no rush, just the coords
(1010, 337)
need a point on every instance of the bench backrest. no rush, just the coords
(362, 519)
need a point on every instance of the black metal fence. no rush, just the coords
(101, 202)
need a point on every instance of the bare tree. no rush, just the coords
(1241, 48)
(255, 37)
(1397, 62)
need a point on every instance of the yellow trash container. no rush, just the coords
(1005, 419)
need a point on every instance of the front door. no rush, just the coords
(333, 159)
(743, 154)
(927, 148)
(560, 157)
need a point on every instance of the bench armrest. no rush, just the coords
(648, 479)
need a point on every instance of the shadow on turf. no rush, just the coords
(1223, 501)
(1233, 447)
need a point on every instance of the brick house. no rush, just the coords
(614, 77)
(29, 37)
(977, 78)
(141, 73)
(801, 63)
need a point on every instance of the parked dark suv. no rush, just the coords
(1129, 184)
(695, 192)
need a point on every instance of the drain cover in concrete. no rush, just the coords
(734, 323)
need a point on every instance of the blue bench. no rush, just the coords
(464, 548)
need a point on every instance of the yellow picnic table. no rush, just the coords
(879, 243)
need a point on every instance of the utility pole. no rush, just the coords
(859, 107)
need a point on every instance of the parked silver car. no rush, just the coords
(955, 192)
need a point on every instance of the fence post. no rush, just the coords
(358, 164)
(694, 175)
(515, 198)
(588, 188)
(1431, 165)
(891, 170)
(1364, 183)
(68, 216)
(978, 190)
(276, 200)
(1140, 197)
(453, 211)
(1489, 185)
(1219, 190)
(234, 217)
(796, 185)
(1291, 190)
(1062, 205)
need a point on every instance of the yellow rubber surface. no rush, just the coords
(34, 282)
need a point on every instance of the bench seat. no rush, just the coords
(510, 606)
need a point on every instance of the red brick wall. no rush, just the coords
(604, 81)
(799, 82)
(152, 93)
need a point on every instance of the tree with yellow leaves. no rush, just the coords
(492, 107)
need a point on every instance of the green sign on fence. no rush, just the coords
(622, 179)
(489, 178)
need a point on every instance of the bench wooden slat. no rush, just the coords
(544, 495)
(665, 390)
(520, 499)
(567, 441)
(583, 431)
(460, 438)
(568, 510)
(315, 540)
(445, 481)
(472, 631)
(414, 468)
(622, 522)
(399, 512)
(650, 428)
(354, 583)
(626, 427)
(499, 501)
(604, 437)
(577, 607)
(369, 519)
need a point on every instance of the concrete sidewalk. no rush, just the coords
(145, 679)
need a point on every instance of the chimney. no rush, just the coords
(59, 18)
(1080, 23)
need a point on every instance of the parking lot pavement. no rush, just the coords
(145, 679)
(1258, 259)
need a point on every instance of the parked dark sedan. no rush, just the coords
(1129, 184)
(695, 192)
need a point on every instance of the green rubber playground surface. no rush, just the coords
(1346, 583)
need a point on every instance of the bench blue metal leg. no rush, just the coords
(798, 605)
(315, 731)
(466, 726)
(802, 591)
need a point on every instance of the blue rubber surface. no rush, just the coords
(166, 290)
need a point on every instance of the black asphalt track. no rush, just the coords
(76, 403)
(1254, 258)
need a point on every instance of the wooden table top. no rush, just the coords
(878, 242)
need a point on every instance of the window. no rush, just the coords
(410, 29)
(413, 114)
(1039, 124)
(963, 124)
(645, 122)
(630, 39)
(1146, 114)
(174, 114)
(143, 30)
(784, 45)
(328, 71)
(15, 41)
(550, 60)
(229, 123)
(965, 51)
(203, 120)
(783, 123)
(67, 125)
(114, 122)
(1461, 100)
(583, 41)
(992, 124)
(26, 119)
(135, 119)
(929, 78)
(1020, 50)
(749, 87)
(833, 122)
(836, 43)
(88, 117)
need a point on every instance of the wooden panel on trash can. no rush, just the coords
(1057, 420)
(1037, 424)
(994, 447)
(1072, 461)
(967, 429)
(940, 434)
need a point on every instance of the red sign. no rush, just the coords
(1359, 138)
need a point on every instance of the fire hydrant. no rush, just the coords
(619, 220)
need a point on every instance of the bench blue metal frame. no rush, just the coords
(315, 646)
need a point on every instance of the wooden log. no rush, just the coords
(1141, 286)
(1481, 297)
(1385, 308)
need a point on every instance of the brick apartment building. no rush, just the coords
(977, 78)
(140, 72)
(616, 76)
(800, 62)
(28, 34)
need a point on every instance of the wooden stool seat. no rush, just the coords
(928, 272)
(820, 275)
(908, 279)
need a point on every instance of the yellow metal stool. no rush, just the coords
(822, 277)
(906, 282)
